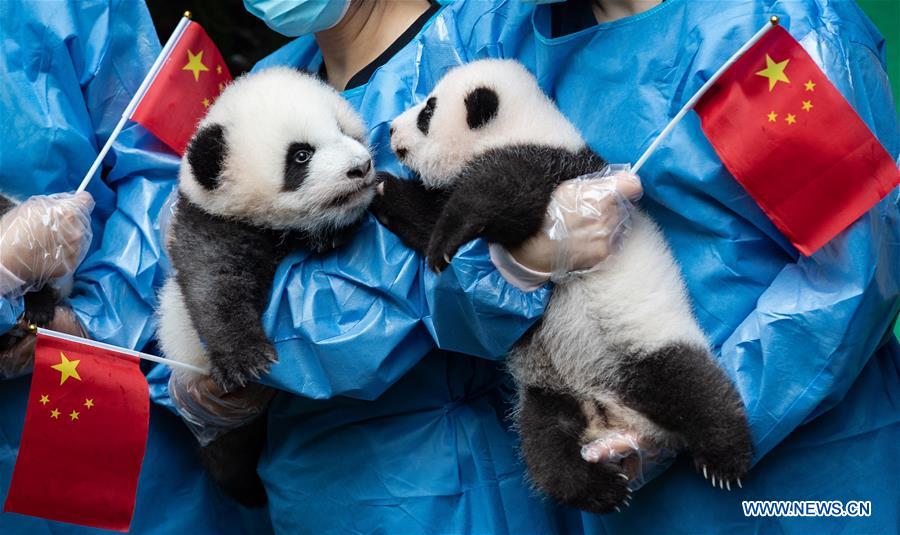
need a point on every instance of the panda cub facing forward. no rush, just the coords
(618, 349)
(280, 162)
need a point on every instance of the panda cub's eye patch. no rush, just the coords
(297, 164)
(424, 119)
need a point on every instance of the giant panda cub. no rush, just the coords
(618, 349)
(279, 162)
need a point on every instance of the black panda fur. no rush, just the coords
(670, 391)
(279, 163)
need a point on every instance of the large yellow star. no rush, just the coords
(195, 64)
(66, 368)
(774, 72)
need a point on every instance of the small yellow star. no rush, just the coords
(774, 72)
(221, 87)
(45, 399)
(89, 403)
(218, 69)
(810, 86)
(791, 118)
(205, 102)
(66, 368)
(73, 415)
(195, 64)
(54, 414)
(772, 116)
(807, 105)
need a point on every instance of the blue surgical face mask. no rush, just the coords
(294, 18)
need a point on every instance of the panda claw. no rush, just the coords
(721, 484)
(739, 483)
(728, 485)
(623, 476)
(705, 476)
(714, 481)
(617, 509)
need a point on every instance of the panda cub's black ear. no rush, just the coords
(481, 107)
(206, 155)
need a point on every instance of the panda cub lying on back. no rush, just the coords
(280, 162)
(617, 350)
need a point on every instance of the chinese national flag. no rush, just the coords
(191, 78)
(84, 436)
(789, 137)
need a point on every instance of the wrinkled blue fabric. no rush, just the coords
(362, 324)
(10, 310)
(432, 452)
(67, 70)
(793, 332)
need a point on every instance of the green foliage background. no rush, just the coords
(886, 15)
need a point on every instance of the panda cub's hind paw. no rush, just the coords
(550, 425)
(234, 371)
(724, 467)
(603, 488)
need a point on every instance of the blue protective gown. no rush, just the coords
(794, 333)
(67, 71)
(380, 433)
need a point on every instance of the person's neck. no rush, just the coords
(610, 10)
(368, 28)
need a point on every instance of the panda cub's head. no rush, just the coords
(476, 107)
(280, 149)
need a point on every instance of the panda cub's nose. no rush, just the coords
(360, 171)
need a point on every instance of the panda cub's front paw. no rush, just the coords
(391, 200)
(234, 370)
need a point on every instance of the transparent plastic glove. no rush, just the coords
(586, 221)
(44, 238)
(17, 344)
(639, 459)
(209, 411)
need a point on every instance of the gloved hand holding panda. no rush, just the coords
(280, 162)
(618, 352)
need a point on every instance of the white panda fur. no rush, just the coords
(279, 162)
(495, 147)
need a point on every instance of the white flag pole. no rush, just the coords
(773, 21)
(136, 99)
(101, 345)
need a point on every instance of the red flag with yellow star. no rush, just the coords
(84, 437)
(190, 79)
(795, 144)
